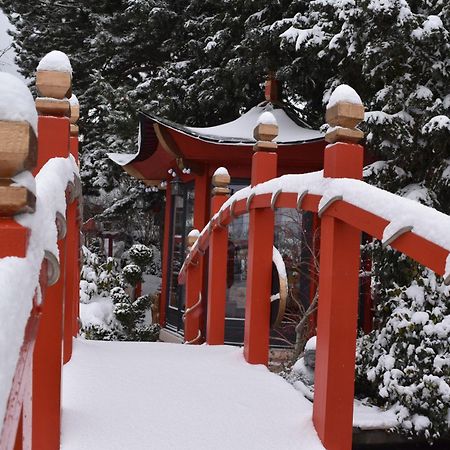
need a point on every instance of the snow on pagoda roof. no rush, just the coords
(240, 131)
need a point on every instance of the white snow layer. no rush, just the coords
(55, 60)
(267, 118)
(73, 100)
(135, 396)
(25, 179)
(242, 127)
(222, 171)
(16, 101)
(426, 222)
(311, 344)
(19, 277)
(344, 93)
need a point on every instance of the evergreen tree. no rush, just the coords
(395, 54)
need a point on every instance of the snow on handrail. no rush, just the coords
(19, 277)
(395, 216)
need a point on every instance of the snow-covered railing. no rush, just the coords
(39, 252)
(346, 206)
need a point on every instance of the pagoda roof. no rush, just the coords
(162, 141)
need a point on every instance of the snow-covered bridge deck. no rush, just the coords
(137, 396)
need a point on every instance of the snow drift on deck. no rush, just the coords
(138, 396)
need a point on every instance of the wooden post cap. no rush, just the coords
(344, 112)
(345, 108)
(53, 107)
(15, 199)
(54, 76)
(18, 148)
(221, 177)
(53, 84)
(192, 237)
(265, 132)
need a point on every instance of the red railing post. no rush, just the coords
(260, 244)
(218, 262)
(53, 131)
(72, 293)
(338, 290)
(18, 154)
(192, 314)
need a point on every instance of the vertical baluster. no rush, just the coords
(338, 289)
(193, 294)
(260, 244)
(218, 261)
(54, 111)
(71, 306)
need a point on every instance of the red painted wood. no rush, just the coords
(259, 275)
(72, 278)
(19, 397)
(217, 278)
(53, 139)
(47, 362)
(338, 312)
(13, 238)
(165, 258)
(193, 290)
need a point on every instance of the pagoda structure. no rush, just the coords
(183, 159)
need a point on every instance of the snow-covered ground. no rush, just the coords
(138, 396)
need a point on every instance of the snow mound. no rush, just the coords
(245, 406)
(16, 304)
(311, 344)
(74, 100)
(266, 118)
(57, 61)
(16, 101)
(345, 94)
(222, 171)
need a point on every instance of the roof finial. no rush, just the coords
(271, 91)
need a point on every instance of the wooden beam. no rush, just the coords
(130, 170)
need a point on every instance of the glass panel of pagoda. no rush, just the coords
(181, 223)
(293, 239)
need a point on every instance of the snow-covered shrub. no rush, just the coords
(406, 363)
(141, 255)
(132, 274)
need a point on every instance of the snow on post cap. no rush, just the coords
(194, 233)
(266, 118)
(192, 237)
(16, 101)
(221, 171)
(221, 178)
(344, 94)
(311, 344)
(74, 100)
(55, 61)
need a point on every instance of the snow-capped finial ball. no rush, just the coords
(54, 76)
(16, 101)
(267, 118)
(344, 94)
(55, 61)
(221, 177)
(345, 108)
(192, 237)
(266, 129)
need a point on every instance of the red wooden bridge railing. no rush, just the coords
(346, 206)
(39, 249)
